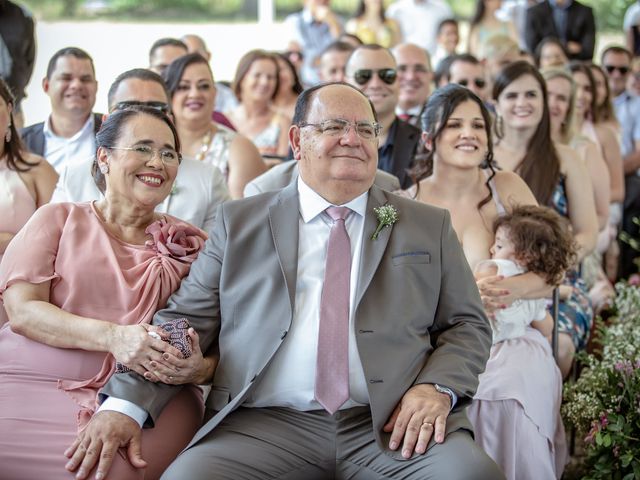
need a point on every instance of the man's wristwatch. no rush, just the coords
(448, 391)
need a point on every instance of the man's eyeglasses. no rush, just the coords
(612, 68)
(145, 153)
(387, 75)
(338, 127)
(160, 106)
(478, 82)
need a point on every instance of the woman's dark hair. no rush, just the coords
(540, 167)
(583, 68)
(297, 85)
(542, 240)
(361, 8)
(112, 128)
(245, 64)
(175, 71)
(14, 148)
(548, 41)
(478, 13)
(440, 106)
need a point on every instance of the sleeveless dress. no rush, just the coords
(217, 153)
(48, 393)
(516, 409)
(383, 36)
(575, 314)
(16, 207)
(267, 140)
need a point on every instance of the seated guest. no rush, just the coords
(447, 40)
(256, 85)
(457, 174)
(26, 180)
(333, 59)
(80, 283)
(282, 175)
(370, 24)
(225, 98)
(372, 69)
(193, 94)
(163, 52)
(414, 77)
(466, 70)
(496, 53)
(196, 191)
(557, 178)
(551, 53)
(69, 132)
(315, 381)
(289, 86)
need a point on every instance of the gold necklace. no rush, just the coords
(206, 145)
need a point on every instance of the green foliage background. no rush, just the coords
(609, 13)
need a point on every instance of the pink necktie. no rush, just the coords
(332, 366)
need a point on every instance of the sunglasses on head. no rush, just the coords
(612, 68)
(387, 75)
(478, 82)
(160, 106)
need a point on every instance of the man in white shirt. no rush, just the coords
(69, 132)
(291, 280)
(197, 190)
(419, 20)
(415, 77)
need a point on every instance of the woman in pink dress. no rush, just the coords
(80, 283)
(26, 180)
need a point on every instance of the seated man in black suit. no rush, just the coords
(372, 69)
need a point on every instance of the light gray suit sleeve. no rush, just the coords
(461, 332)
(218, 193)
(197, 300)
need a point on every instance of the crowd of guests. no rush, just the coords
(529, 143)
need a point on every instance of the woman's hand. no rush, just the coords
(494, 296)
(133, 346)
(197, 369)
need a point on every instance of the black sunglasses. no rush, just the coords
(478, 82)
(612, 68)
(160, 106)
(387, 75)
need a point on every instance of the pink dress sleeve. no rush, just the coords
(31, 255)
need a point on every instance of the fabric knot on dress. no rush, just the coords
(174, 240)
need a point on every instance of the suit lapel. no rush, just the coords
(283, 221)
(372, 250)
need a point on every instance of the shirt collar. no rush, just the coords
(312, 204)
(48, 132)
(306, 16)
(563, 7)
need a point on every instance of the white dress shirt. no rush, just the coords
(61, 151)
(290, 378)
(419, 20)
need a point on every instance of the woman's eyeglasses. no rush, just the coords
(387, 75)
(145, 153)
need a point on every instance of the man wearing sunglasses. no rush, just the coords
(372, 69)
(198, 188)
(414, 77)
(616, 62)
(466, 70)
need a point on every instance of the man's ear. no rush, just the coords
(426, 140)
(294, 140)
(45, 85)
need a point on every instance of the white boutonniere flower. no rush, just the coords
(387, 215)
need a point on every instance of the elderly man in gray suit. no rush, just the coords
(350, 329)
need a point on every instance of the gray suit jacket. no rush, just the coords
(419, 317)
(282, 175)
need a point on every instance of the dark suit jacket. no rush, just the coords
(414, 285)
(33, 135)
(581, 28)
(405, 144)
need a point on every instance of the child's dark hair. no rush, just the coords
(542, 240)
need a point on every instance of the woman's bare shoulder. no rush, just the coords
(512, 189)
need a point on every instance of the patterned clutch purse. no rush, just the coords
(178, 338)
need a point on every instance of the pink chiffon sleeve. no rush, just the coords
(31, 255)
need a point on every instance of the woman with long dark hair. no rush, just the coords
(557, 177)
(457, 173)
